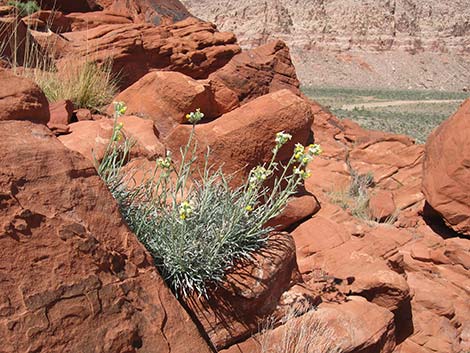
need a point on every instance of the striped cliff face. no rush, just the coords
(410, 36)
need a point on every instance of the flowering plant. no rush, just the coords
(197, 227)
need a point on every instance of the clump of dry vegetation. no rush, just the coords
(355, 198)
(306, 334)
(87, 83)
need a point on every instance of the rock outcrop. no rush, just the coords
(256, 72)
(148, 11)
(21, 99)
(191, 47)
(446, 170)
(74, 278)
(363, 248)
(244, 138)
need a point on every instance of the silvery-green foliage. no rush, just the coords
(191, 221)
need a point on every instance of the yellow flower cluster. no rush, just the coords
(185, 210)
(164, 163)
(117, 134)
(120, 108)
(195, 117)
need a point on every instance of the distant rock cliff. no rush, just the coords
(389, 40)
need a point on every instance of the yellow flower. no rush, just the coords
(195, 117)
(185, 210)
(249, 208)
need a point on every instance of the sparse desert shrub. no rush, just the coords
(356, 197)
(25, 8)
(191, 221)
(87, 84)
(299, 335)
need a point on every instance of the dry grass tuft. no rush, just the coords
(304, 334)
(86, 83)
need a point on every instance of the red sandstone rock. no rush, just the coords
(250, 293)
(326, 246)
(70, 6)
(316, 234)
(166, 97)
(73, 277)
(148, 11)
(45, 20)
(244, 138)
(256, 72)
(191, 47)
(83, 115)
(298, 208)
(446, 170)
(17, 43)
(88, 20)
(382, 205)
(354, 326)
(60, 113)
(21, 99)
(90, 138)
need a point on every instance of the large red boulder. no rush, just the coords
(256, 72)
(21, 99)
(244, 138)
(74, 278)
(91, 138)
(192, 47)
(446, 170)
(166, 97)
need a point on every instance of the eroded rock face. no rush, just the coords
(256, 72)
(21, 99)
(446, 170)
(148, 11)
(73, 277)
(356, 43)
(70, 6)
(191, 47)
(165, 98)
(244, 137)
(250, 293)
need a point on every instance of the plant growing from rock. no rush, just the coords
(306, 334)
(192, 222)
(87, 83)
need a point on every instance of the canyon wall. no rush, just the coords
(399, 43)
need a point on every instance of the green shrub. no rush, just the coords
(191, 221)
(25, 8)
